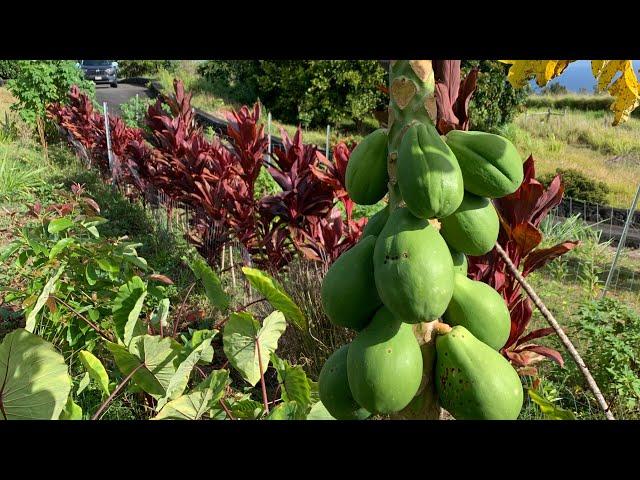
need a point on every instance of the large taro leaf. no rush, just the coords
(155, 358)
(95, 369)
(319, 412)
(127, 307)
(42, 299)
(34, 379)
(287, 411)
(243, 337)
(295, 384)
(210, 281)
(71, 410)
(197, 402)
(276, 296)
(179, 381)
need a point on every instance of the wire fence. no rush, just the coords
(601, 229)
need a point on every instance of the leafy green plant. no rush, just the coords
(8, 69)
(138, 68)
(73, 278)
(495, 101)
(17, 178)
(133, 111)
(611, 333)
(312, 92)
(34, 381)
(39, 83)
(579, 186)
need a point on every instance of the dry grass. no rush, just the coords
(584, 141)
(6, 100)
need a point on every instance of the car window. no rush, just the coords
(96, 63)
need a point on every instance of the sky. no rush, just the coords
(578, 75)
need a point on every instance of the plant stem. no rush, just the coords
(226, 409)
(265, 400)
(106, 403)
(593, 386)
(104, 334)
(184, 301)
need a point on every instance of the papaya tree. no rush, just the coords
(424, 330)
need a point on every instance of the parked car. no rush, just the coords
(100, 71)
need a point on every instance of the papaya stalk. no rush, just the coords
(412, 99)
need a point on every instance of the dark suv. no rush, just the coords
(100, 71)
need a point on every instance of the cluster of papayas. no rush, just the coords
(410, 266)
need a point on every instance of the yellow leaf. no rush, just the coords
(625, 89)
(522, 71)
(596, 67)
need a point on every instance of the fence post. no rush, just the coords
(108, 135)
(623, 239)
(137, 108)
(326, 149)
(269, 132)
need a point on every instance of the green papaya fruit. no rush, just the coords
(334, 390)
(473, 229)
(481, 310)
(384, 364)
(413, 268)
(460, 263)
(428, 174)
(376, 223)
(366, 177)
(349, 295)
(473, 381)
(491, 165)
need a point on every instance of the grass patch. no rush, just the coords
(584, 141)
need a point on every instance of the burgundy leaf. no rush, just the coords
(539, 258)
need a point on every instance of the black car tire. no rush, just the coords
(114, 85)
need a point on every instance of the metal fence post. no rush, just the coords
(269, 132)
(108, 135)
(326, 149)
(623, 239)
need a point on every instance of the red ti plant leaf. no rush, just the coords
(452, 95)
(520, 216)
(526, 236)
(540, 257)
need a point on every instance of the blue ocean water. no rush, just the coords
(578, 76)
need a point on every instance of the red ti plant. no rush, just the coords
(520, 216)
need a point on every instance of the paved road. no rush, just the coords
(116, 96)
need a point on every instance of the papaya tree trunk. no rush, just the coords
(412, 99)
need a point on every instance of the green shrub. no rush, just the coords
(311, 92)
(233, 79)
(495, 101)
(611, 331)
(138, 68)
(41, 82)
(133, 111)
(8, 69)
(577, 185)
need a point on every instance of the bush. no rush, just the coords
(311, 92)
(495, 101)
(138, 68)
(41, 82)
(611, 330)
(233, 79)
(8, 69)
(579, 186)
